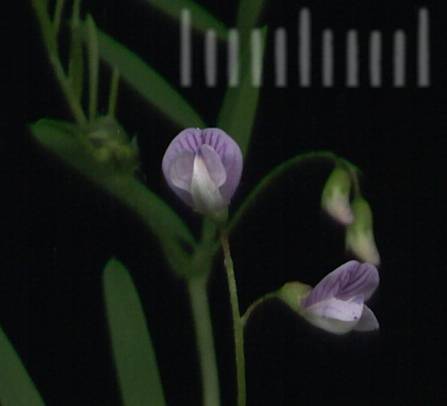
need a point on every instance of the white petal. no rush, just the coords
(368, 321)
(344, 310)
(330, 325)
(180, 171)
(205, 193)
(335, 315)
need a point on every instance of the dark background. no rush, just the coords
(60, 230)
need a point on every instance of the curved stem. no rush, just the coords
(255, 304)
(237, 321)
(282, 168)
(205, 341)
(267, 180)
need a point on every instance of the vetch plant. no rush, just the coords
(203, 167)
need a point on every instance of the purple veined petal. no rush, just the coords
(214, 165)
(368, 321)
(187, 140)
(231, 157)
(180, 170)
(347, 281)
(210, 143)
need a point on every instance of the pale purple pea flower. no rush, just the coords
(336, 304)
(203, 167)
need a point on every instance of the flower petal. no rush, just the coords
(351, 279)
(205, 194)
(368, 321)
(214, 165)
(231, 158)
(362, 281)
(180, 171)
(330, 325)
(343, 310)
(221, 155)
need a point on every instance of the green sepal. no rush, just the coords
(292, 293)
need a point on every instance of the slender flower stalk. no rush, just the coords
(255, 304)
(281, 169)
(237, 321)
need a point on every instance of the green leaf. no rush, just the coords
(64, 140)
(49, 38)
(201, 19)
(247, 17)
(148, 82)
(133, 352)
(238, 111)
(16, 386)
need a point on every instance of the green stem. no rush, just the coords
(255, 304)
(70, 97)
(93, 64)
(205, 342)
(57, 16)
(279, 171)
(237, 321)
(50, 42)
(113, 94)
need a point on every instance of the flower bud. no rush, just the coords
(109, 144)
(360, 236)
(335, 196)
(204, 167)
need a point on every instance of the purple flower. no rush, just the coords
(336, 304)
(203, 167)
